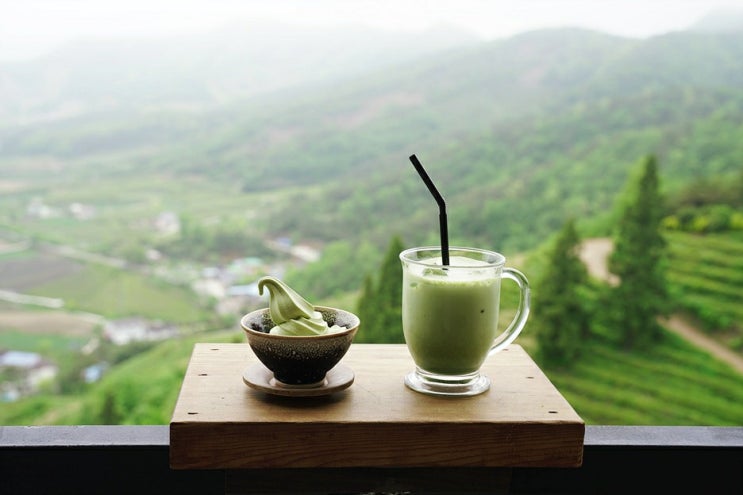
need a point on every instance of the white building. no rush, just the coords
(32, 370)
(136, 329)
(168, 223)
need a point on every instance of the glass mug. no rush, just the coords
(450, 316)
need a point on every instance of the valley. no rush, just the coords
(154, 198)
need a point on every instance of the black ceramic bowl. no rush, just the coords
(300, 360)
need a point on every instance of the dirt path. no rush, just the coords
(594, 253)
(686, 330)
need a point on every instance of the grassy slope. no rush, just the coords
(116, 293)
(144, 388)
(673, 383)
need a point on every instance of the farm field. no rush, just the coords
(705, 276)
(674, 383)
(706, 279)
(46, 322)
(98, 289)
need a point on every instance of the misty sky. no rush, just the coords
(32, 27)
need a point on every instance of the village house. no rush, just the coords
(234, 287)
(38, 209)
(167, 223)
(136, 329)
(81, 211)
(29, 371)
(94, 372)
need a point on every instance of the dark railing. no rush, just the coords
(135, 460)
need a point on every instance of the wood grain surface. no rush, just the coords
(221, 423)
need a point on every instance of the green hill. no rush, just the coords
(519, 133)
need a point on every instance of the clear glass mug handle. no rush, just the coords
(522, 312)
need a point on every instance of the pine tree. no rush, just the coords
(365, 309)
(380, 304)
(389, 292)
(109, 413)
(560, 314)
(638, 261)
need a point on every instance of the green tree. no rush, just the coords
(380, 304)
(109, 413)
(560, 314)
(365, 309)
(638, 260)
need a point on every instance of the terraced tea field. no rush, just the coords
(706, 279)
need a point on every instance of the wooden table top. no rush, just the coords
(221, 423)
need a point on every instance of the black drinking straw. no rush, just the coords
(442, 208)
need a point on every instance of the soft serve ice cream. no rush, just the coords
(291, 313)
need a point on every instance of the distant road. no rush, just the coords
(15, 297)
(682, 327)
(595, 252)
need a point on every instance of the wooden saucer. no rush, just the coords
(261, 378)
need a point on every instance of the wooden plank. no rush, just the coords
(219, 422)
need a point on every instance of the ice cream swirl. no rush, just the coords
(291, 313)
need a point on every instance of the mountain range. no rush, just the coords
(519, 133)
(197, 71)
